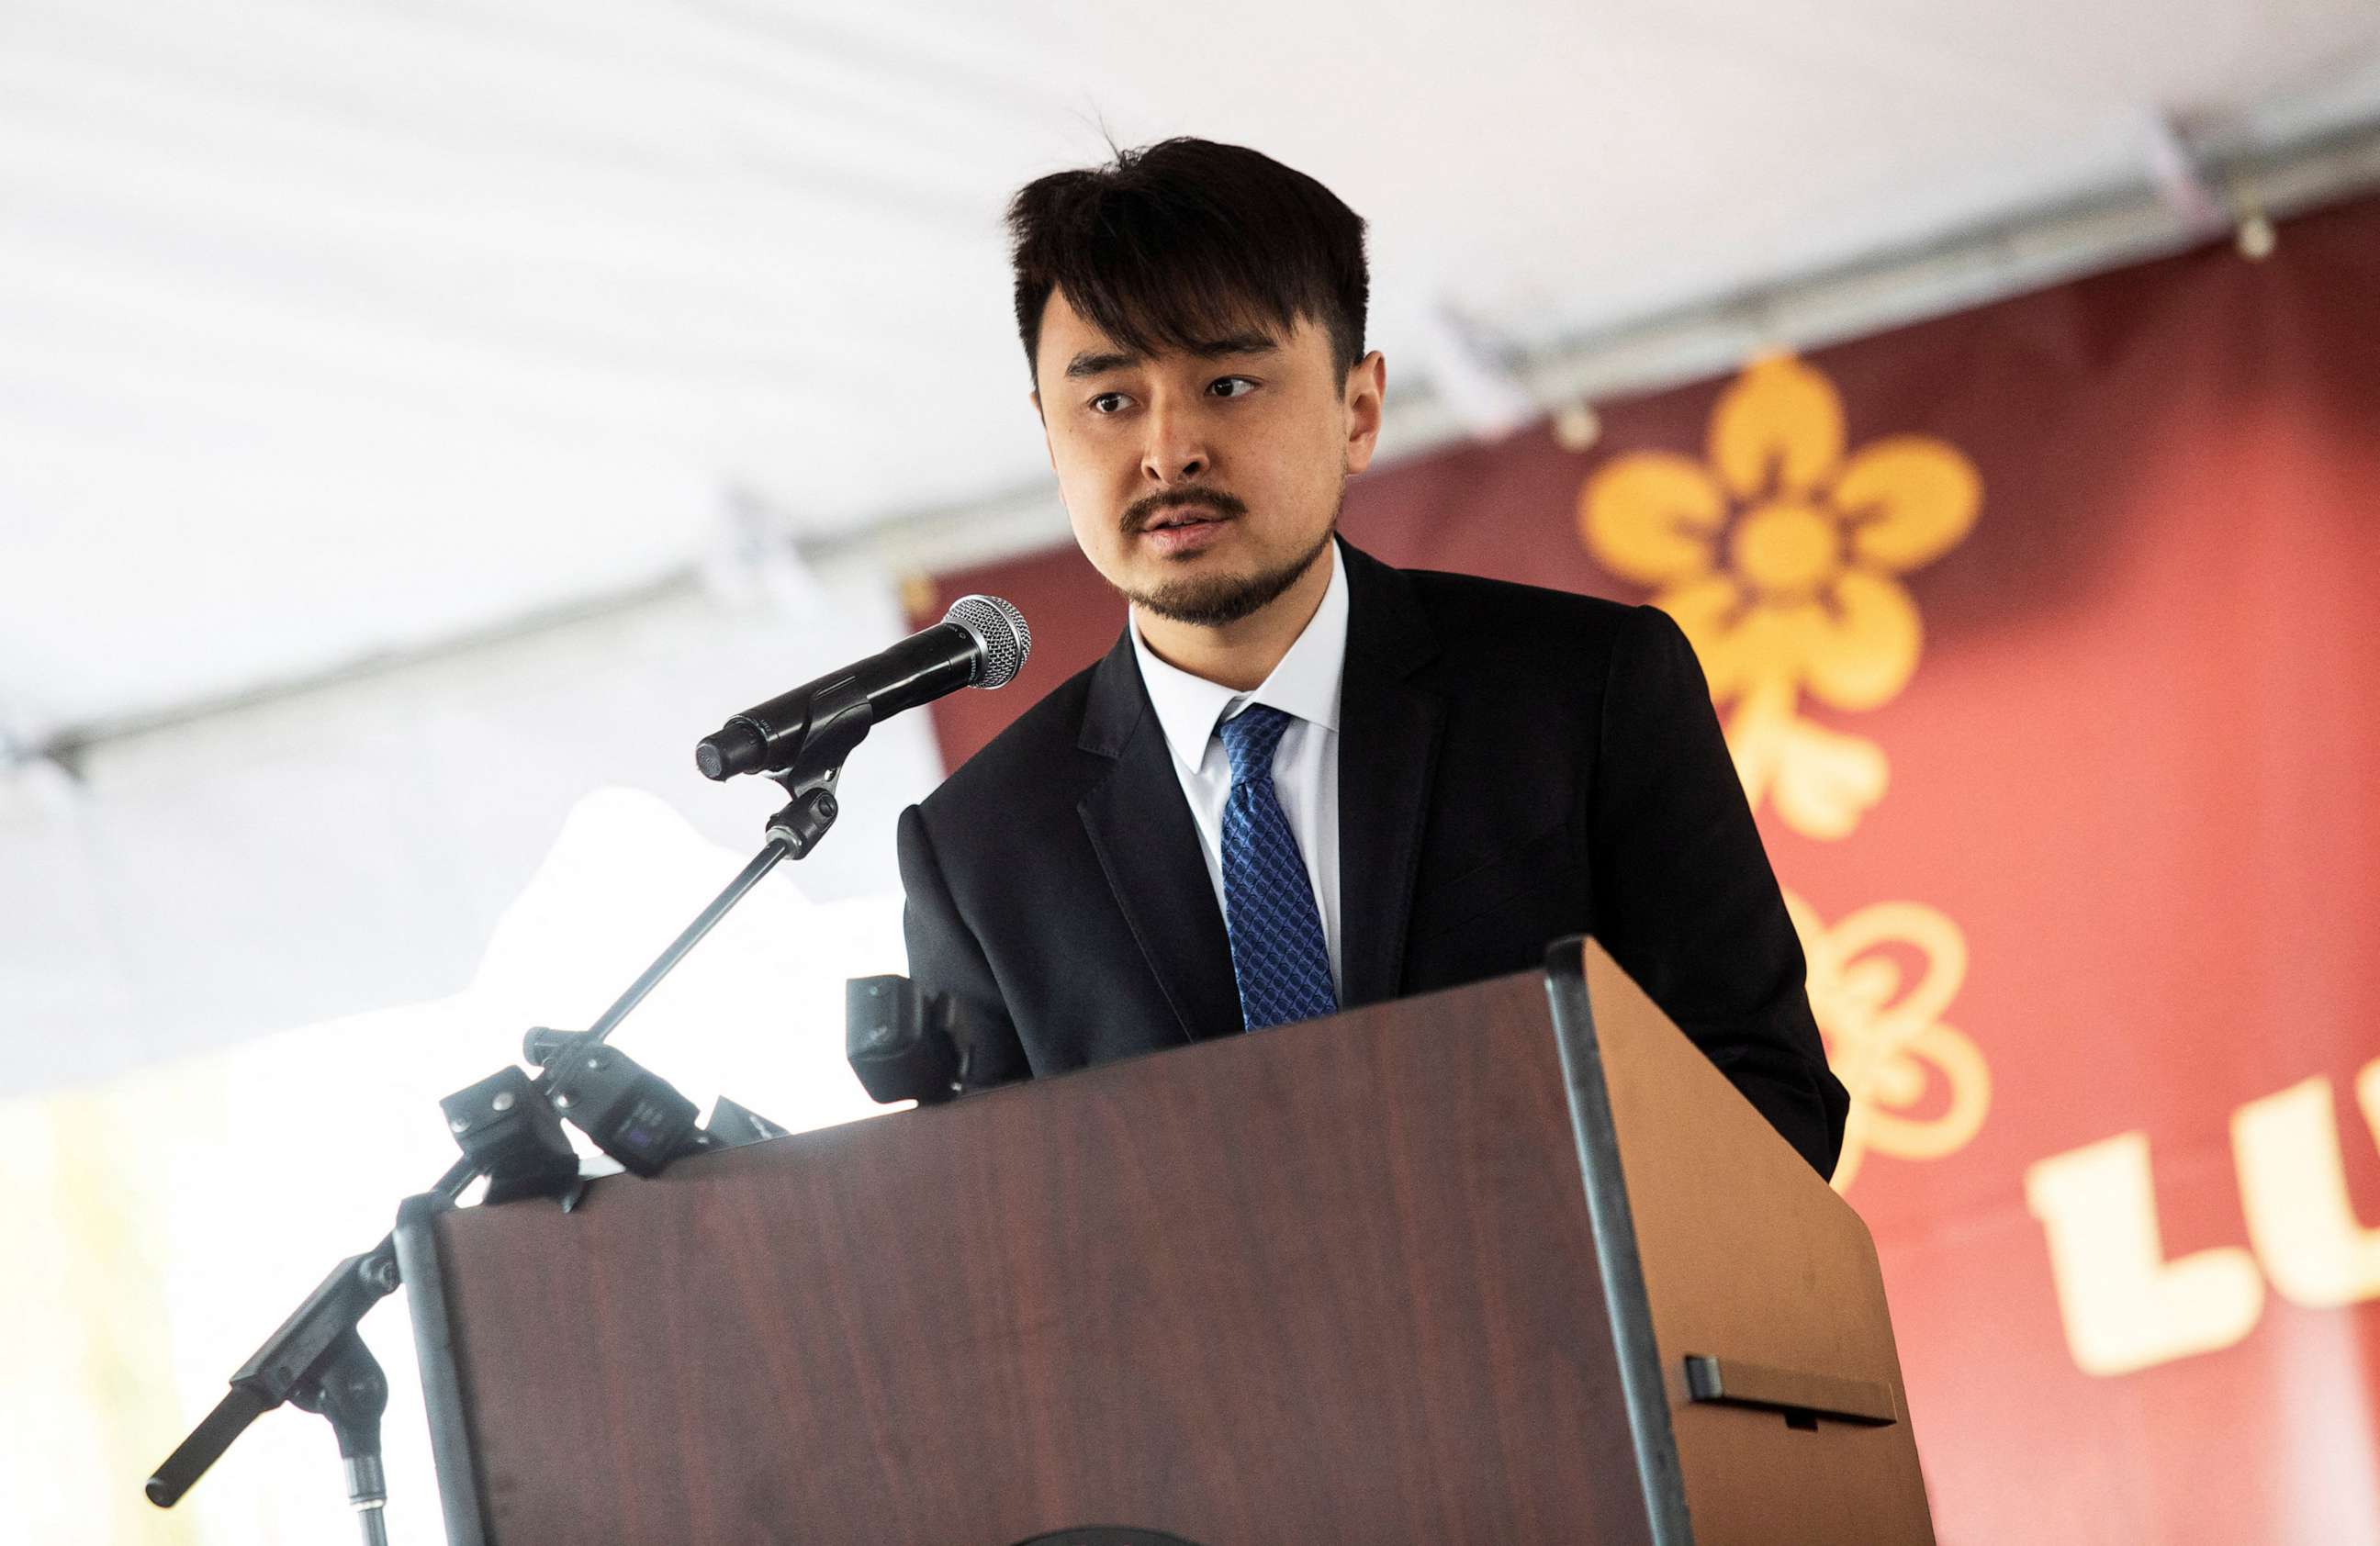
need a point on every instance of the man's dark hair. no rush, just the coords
(1176, 241)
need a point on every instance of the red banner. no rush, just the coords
(2042, 637)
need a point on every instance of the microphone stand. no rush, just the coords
(317, 1361)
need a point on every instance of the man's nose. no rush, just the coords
(1176, 448)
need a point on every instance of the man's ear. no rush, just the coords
(1368, 384)
(1051, 449)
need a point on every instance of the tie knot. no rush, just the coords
(1250, 738)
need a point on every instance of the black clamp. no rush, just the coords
(506, 1127)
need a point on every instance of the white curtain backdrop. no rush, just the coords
(181, 1211)
(353, 847)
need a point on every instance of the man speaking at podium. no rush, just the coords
(1302, 781)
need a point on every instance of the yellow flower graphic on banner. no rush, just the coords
(1919, 1088)
(1778, 556)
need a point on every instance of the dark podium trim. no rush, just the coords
(1626, 1301)
(451, 1449)
(1803, 1396)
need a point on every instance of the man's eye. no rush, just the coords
(1230, 386)
(1109, 403)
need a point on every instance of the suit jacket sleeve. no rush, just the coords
(946, 957)
(1685, 900)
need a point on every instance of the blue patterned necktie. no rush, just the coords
(1278, 952)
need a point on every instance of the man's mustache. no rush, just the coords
(1142, 511)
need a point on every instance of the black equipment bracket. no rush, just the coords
(315, 1350)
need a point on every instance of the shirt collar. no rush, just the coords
(1305, 684)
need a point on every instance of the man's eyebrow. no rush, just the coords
(1091, 364)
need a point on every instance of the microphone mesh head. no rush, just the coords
(1000, 629)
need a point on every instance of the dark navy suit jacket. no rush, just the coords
(1515, 765)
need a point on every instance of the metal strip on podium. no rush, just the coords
(442, 1386)
(1626, 1299)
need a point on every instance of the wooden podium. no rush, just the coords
(1507, 1264)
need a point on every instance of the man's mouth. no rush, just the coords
(1182, 511)
(1197, 515)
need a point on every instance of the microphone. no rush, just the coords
(981, 642)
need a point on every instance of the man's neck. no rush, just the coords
(1241, 655)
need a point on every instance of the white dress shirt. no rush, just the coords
(1306, 765)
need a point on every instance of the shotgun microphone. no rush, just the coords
(980, 641)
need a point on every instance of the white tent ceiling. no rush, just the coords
(336, 326)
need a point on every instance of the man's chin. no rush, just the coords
(1213, 600)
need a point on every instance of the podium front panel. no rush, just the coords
(1328, 1284)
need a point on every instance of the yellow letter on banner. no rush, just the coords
(2293, 1184)
(2125, 1306)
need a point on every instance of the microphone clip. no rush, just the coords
(840, 719)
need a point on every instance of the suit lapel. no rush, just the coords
(1387, 752)
(1140, 827)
